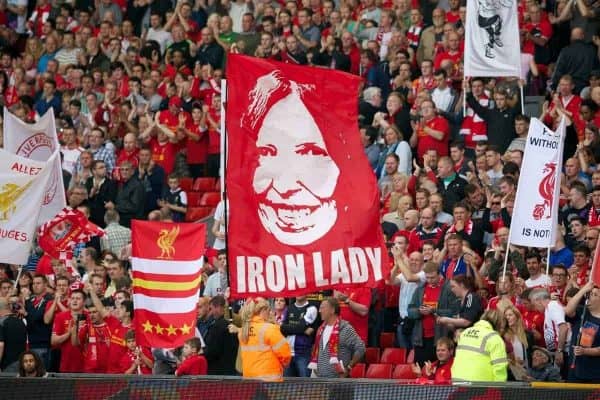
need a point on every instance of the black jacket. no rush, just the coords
(106, 193)
(130, 201)
(500, 124)
(453, 193)
(212, 54)
(221, 349)
(578, 60)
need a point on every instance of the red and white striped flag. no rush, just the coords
(166, 261)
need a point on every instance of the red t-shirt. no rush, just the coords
(95, 343)
(193, 365)
(129, 358)
(214, 137)
(196, 150)
(426, 142)
(163, 154)
(456, 58)
(118, 347)
(71, 358)
(430, 298)
(534, 320)
(359, 323)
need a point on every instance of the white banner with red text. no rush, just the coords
(38, 142)
(535, 216)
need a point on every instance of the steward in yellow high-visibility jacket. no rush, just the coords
(265, 352)
(481, 352)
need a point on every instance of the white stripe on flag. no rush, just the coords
(168, 267)
(161, 305)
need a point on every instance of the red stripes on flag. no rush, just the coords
(166, 260)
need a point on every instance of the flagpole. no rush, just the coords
(224, 159)
(506, 256)
(464, 105)
(548, 262)
(522, 98)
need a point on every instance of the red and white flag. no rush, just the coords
(303, 199)
(535, 216)
(62, 233)
(38, 142)
(166, 262)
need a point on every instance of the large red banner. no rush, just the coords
(303, 200)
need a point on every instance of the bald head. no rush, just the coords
(577, 34)
(411, 219)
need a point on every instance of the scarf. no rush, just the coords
(468, 229)
(334, 344)
(594, 217)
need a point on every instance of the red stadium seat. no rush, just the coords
(210, 199)
(379, 371)
(404, 371)
(204, 185)
(358, 371)
(372, 355)
(196, 213)
(393, 355)
(193, 199)
(186, 183)
(387, 339)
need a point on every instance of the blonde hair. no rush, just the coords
(518, 330)
(251, 308)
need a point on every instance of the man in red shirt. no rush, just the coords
(93, 338)
(354, 308)
(538, 32)
(117, 326)
(197, 141)
(431, 132)
(65, 325)
(452, 54)
(567, 101)
(129, 152)
(213, 119)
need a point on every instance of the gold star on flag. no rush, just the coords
(185, 329)
(159, 329)
(147, 326)
(171, 330)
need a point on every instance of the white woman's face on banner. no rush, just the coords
(296, 177)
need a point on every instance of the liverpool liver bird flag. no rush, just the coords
(166, 261)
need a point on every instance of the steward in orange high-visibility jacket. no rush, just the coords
(265, 352)
(481, 352)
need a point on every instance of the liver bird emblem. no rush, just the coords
(546, 189)
(165, 241)
(9, 194)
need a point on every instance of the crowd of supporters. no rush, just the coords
(135, 87)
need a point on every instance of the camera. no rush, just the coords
(81, 317)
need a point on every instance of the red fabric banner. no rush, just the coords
(303, 200)
(59, 236)
(166, 263)
(595, 274)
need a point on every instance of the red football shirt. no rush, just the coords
(71, 358)
(193, 365)
(118, 347)
(359, 323)
(430, 298)
(163, 154)
(426, 142)
(128, 359)
(197, 150)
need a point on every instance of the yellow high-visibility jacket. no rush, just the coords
(480, 355)
(266, 353)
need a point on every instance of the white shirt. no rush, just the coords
(554, 316)
(163, 38)
(407, 289)
(219, 244)
(70, 157)
(442, 98)
(327, 334)
(541, 281)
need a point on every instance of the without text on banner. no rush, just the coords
(38, 142)
(166, 264)
(303, 200)
(492, 38)
(22, 187)
(535, 215)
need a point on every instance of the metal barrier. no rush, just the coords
(101, 387)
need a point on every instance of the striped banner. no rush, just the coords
(166, 261)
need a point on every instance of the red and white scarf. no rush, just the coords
(468, 229)
(333, 343)
(593, 217)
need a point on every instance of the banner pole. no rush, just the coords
(506, 257)
(522, 98)
(464, 107)
(548, 262)
(223, 170)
